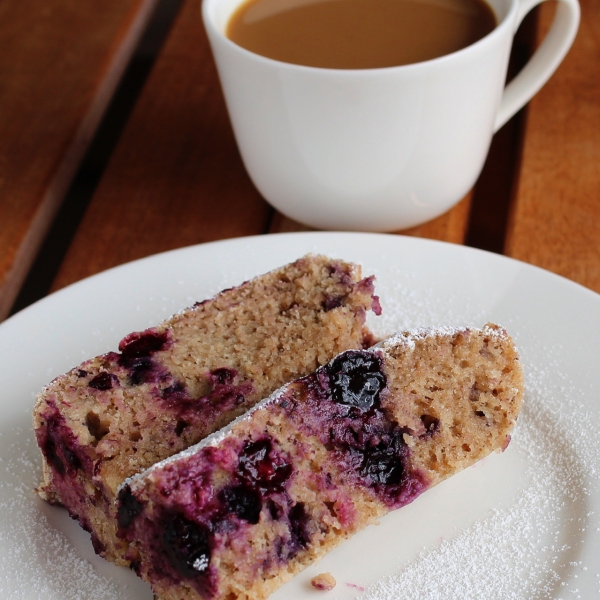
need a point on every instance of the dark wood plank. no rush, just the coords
(60, 64)
(494, 188)
(555, 217)
(176, 177)
(449, 227)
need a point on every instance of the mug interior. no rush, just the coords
(218, 12)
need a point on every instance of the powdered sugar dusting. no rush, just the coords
(409, 337)
(543, 544)
(533, 548)
(31, 544)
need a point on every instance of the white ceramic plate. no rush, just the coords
(522, 524)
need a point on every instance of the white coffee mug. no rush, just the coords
(377, 149)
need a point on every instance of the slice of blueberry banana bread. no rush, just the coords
(170, 386)
(239, 514)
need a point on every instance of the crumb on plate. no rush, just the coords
(323, 581)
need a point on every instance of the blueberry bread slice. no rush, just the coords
(170, 386)
(241, 513)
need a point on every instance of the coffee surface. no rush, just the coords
(358, 34)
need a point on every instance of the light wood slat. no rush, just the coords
(60, 63)
(555, 218)
(449, 227)
(176, 177)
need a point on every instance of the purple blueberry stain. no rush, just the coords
(137, 350)
(376, 305)
(140, 369)
(384, 463)
(72, 460)
(222, 376)
(344, 277)
(333, 301)
(356, 379)
(176, 394)
(369, 339)
(104, 381)
(300, 536)
(183, 538)
(187, 545)
(275, 511)
(51, 454)
(60, 446)
(145, 343)
(367, 285)
(264, 467)
(342, 407)
(224, 393)
(226, 390)
(129, 507)
(342, 274)
(244, 501)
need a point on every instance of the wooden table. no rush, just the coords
(115, 144)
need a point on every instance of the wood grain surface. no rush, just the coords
(555, 217)
(60, 63)
(175, 178)
(449, 227)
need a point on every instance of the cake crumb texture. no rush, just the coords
(170, 386)
(244, 511)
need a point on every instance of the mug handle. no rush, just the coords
(544, 61)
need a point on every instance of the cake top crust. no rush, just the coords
(409, 337)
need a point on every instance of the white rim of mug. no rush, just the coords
(497, 31)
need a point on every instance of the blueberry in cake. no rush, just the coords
(250, 506)
(170, 386)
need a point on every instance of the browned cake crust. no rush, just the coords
(170, 386)
(248, 508)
